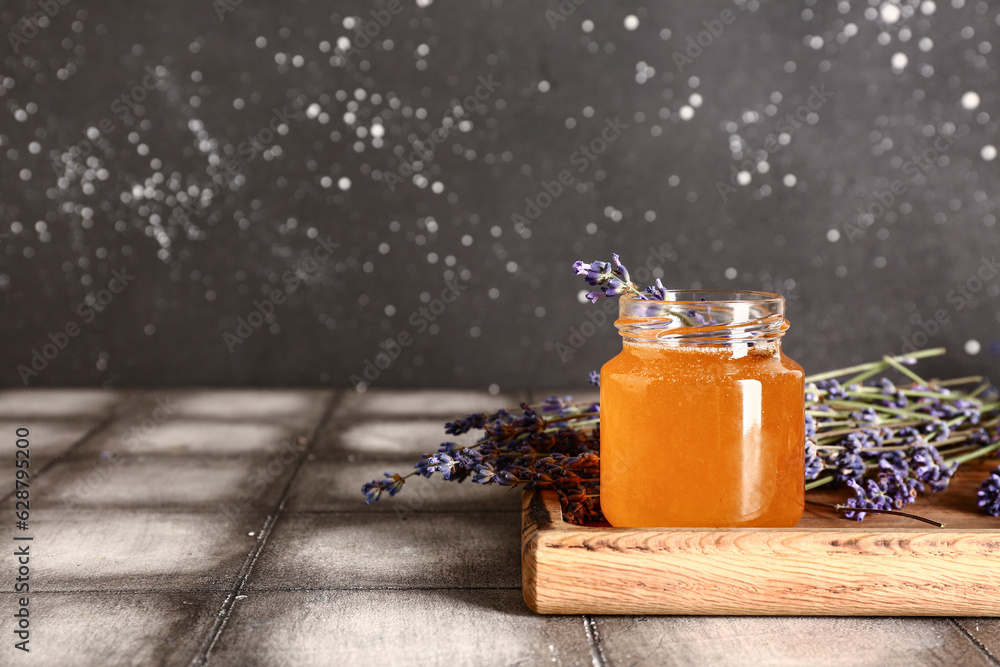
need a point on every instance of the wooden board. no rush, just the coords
(826, 565)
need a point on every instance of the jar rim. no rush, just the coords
(724, 317)
(718, 296)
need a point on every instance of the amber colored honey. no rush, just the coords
(702, 436)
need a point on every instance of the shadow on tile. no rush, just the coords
(205, 484)
(302, 408)
(112, 628)
(381, 551)
(24, 404)
(390, 438)
(428, 627)
(46, 440)
(107, 550)
(443, 403)
(141, 434)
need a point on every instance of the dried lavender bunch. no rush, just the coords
(553, 445)
(889, 443)
(884, 441)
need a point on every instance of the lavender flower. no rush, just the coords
(469, 458)
(900, 490)
(595, 378)
(833, 389)
(810, 426)
(597, 273)
(556, 403)
(848, 462)
(373, 490)
(894, 462)
(485, 474)
(865, 415)
(443, 463)
(466, 424)
(814, 464)
(989, 493)
(872, 496)
(929, 468)
(620, 267)
(611, 281)
(658, 292)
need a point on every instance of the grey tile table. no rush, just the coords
(227, 527)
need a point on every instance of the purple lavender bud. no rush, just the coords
(466, 424)
(659, 292)
(507, 478)
(447, 465)
(595, 378)
(900, 490)
(989, 493)
(615, 287)
(848, 462)
(929, 468)
(373, 490)
(621, 267)
(833, 389)
(598, 273)
(870, 497)
(980, 438)
(425, 467)
(895, 463)
(469, 458)
(866, 415)
(556, 404)
(485, 474)
(814, 464)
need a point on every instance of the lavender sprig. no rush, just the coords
(609, 281)
(615, 281)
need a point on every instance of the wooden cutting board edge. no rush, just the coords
(851, 571)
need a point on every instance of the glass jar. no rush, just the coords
(702, 416)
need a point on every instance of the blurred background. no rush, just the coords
(392, 193)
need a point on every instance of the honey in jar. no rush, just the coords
(702, 416)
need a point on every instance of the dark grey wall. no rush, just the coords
(170, 94)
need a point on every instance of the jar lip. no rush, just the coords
(711, 295)
(724, 317)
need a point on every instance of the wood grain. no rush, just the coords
(826, 565)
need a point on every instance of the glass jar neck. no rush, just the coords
(703, 317)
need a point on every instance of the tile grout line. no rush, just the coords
(975, 641)
(228, 604)
(117, 411)
(168, 509)
(284, 589)
(597, 657)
